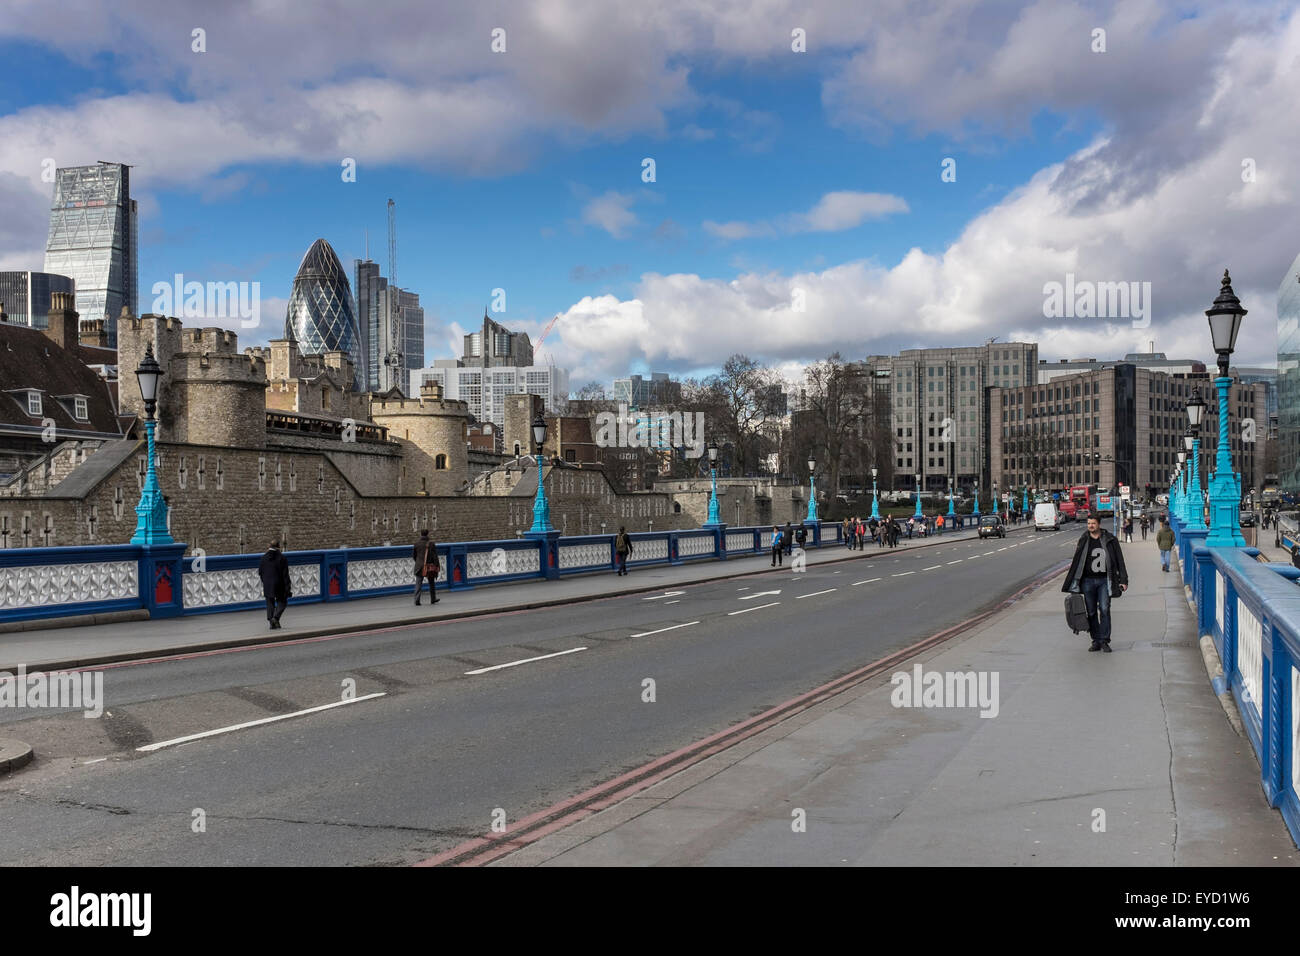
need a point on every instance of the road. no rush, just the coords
(455, 738)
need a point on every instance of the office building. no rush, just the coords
(93, 240)
(1120, 424)
(638, 392)
(319, 316)
(486, 390)
(1155, 361)
(494, 345)
(939, 409)
(1288, 379)
(26, 296)
(391, 326)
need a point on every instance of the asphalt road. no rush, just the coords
(452, 742)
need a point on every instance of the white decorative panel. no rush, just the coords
(699, 544)
(486, 564)
(584, 556)
(1250, 653)
(766, 539)
(1295, 730)
(740, 542)
(1220, 596)
(376, 573)
(243, 585)
(652, 550)
(45, 584)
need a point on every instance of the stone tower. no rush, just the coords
(433, 432)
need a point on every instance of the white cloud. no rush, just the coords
(834, 212)
(611, 212)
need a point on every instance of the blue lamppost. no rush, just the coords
(1024, 500)
(1225, 487)
(918, 496)
(151, 512)
(541, 510)
(875, 500)
(714, 517)
(1195, 412)
(812, 490)
(951, 511)
(977, 500)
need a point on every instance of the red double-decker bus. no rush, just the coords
(1084, 497)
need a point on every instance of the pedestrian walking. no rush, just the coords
(910, 522)
(938, 523)
(801, 536)
(1128, 530)
(862, 535)
(848, 533)
(273, 569)
(425, 554)
(788, 537)
(1097, 572)
(1145, 523)
(778, 550)
(1295, 555)
(622, 549)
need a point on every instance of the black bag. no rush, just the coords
(1076, 612)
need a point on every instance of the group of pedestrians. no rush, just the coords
(882, 532)
(785, 541)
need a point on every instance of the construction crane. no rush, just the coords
(537, 349)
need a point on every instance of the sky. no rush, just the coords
(680, 180)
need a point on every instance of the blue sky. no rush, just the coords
(775, 170)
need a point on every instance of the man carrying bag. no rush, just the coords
(426, 566)
(1098, 573)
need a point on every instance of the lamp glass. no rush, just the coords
(1195, 409)
(812, 464)
(713, 453)
(539, 430)
(1224, 327)
(1188, 439)
(148, 375)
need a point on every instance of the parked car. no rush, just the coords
(991, 526)
(1249, 519)
(1046, 517)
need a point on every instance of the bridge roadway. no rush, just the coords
(455, 737)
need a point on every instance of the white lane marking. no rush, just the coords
(902, 574)
(656, 597)
(933, 567)
(745, 588)
(815, 593)
(756, 594)
(1002, 549)
(254, 723)
(666, 603)
(958, 561)
(759, 607)
(660, 631)
(96, 760)
(868, 581)
(987, 553)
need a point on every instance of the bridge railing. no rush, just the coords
(58, 582)
(1251, 611)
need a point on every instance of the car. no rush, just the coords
(1248, 519)
(991, 526)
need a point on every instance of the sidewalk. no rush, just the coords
(66, 647)
(1122, 759)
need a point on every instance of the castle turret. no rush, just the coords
(434, 433)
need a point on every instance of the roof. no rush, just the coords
(30, 360)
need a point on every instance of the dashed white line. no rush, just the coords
(868, 581)
(958, 561)
(666, 603)
(902, 574)
(254, 723)
(815, 593)
(933, 567)
(647, 633)
(746, 610)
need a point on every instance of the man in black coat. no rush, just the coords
(425, 554)
(273, 569)
(1097, 572)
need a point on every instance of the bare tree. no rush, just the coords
(743, 396)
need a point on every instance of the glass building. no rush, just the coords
(93, 239)
(26, 296)
(319, 317)
(1288, 379)
(392, 329)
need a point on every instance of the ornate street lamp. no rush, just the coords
(875, 500)
(1195, 412)
(151, 512)
(977, 500)
(1024, 501)
(541, 510)
(918, 496)
(714, 517)
(812, 489)
(1225, 487)
(951, 513)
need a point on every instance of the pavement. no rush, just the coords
(1121, 759)
(81, 646)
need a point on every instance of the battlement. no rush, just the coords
(219, 367)
(218, 340)
(419, 406)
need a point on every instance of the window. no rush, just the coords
(79, 409)
(570, 454)
(34, 403)
(440, 463)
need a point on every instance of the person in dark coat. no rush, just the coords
(273, 569)
(425, 555)
(1097, 572)
(788, 538)
(622, 549)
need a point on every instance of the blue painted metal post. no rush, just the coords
(812, 498)
(1225, 486)
(714, 518)
(951, 511)
(977, 500)
(1196, 501)
(541, 509)
(875, 501)
(151, 512)
(918, 496)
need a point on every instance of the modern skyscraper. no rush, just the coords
(494, 344)
(93, 239)
(319, 316)
(637, 392)
(392, 330)
(26, 296)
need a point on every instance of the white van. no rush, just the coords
(1046, 516)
